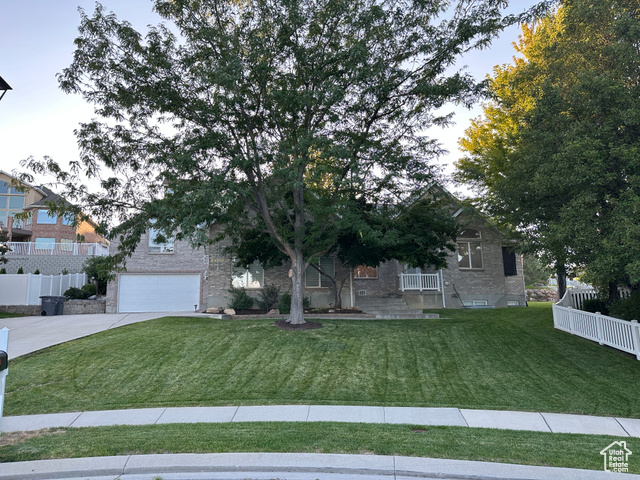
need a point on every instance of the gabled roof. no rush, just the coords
(49, 196)
(37, 189)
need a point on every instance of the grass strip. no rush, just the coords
(504, 446)
(499, 359)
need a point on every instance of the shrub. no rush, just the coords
(594, 305)
(268, 296)
(74, 293)
(240, 300)
(37, 272)
(3, 270)
(100, 269)
(65, 271)
(90, 289)
(627, 308)
(20, 270)
(285, 303)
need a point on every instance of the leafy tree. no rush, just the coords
(100, 270)
(556, 152)
(264, 112)
(4, 247)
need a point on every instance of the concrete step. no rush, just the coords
(391, 308)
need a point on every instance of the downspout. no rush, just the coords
(352, 297)
(444, 302)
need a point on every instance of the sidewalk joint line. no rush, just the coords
(160, 416)
(75, 419)
(545, 422)
(621, 426)
(234, 414)
(463, 417)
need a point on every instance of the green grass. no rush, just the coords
(532, 448)
(507, 359)
(9, 315)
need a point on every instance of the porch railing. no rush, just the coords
(419, 282)
(33, 248)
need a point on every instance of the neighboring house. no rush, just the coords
(44, 234)
(483, 272)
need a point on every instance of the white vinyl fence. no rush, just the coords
(419, 281)
(4, 346)
(620, 334)
(18, 289)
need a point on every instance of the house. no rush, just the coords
(482, 273)
(44, 241)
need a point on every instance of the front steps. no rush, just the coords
(390, 308)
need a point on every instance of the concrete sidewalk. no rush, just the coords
(287, 466)
(508, 420)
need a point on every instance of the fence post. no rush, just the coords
(571, 323)
(635, 326)
(599, 327)
(4, 345)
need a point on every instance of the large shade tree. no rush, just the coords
(556, 153)
(270, 113)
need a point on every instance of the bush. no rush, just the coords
(20, 270)
(285, 303)
(90, 289)
(3, 270)
(37, 272)
(627, 308)
(100, 269)
(240, 300)
(74, 293)
(268, 296)
(594, 305)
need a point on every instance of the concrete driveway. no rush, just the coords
(28, 334)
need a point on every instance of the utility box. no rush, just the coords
(51, 305)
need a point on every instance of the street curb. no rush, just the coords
(292, 465)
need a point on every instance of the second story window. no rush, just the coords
(156, 246)
(45, 217)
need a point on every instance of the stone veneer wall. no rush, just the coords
(71, 307)
(46, 264)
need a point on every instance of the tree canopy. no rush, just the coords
(556, 153)
(269, 114)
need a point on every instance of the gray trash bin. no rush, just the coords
(51, 305)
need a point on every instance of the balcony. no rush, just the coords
(31, 248)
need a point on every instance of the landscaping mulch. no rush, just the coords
(284, 325)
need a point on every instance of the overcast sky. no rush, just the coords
(38, 119)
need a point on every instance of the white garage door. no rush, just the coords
(158, 293)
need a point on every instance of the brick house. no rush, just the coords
(43, 234)
(483, 272)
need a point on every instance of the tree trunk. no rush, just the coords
(613, 292)
(296, 315)
(561, 273)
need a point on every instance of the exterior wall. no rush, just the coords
(386, 284)
(488, 283)
(184, 259)
(57, 230)
(83, 307)
(46, 264)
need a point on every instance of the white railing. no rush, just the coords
(19, 289)
(33, 248)
(419, 282)
(4, 346)
(616, 333)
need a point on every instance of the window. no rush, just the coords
(45, 217)
(159, 247)
(253, 277)
(509, 262)
(475, 303)
(469, 248)
(3, 218)
(363, 271)
(314, 279)
(66, 244)
(67, 219)
(16, 202)
(45, 243)
(16, 223)
(5, 189)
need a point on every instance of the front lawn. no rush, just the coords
(508, 359)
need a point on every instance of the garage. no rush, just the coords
(158, 292)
